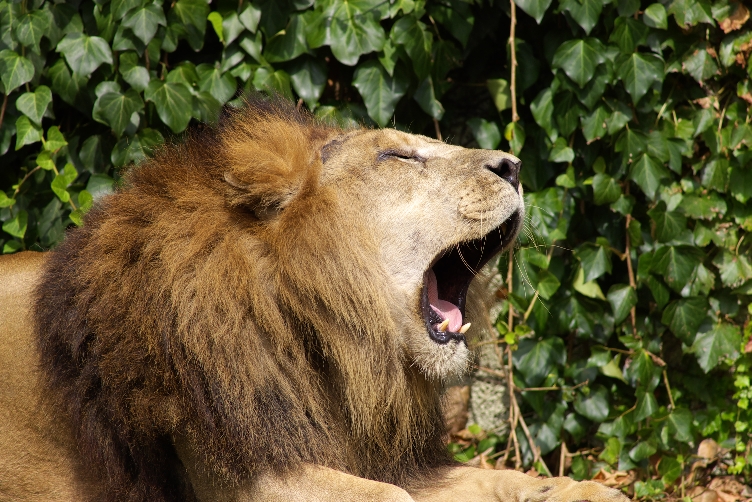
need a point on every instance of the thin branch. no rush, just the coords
(2, 110)
(510, 278)
(18, 187)
(438, 131)
(668, 389)
(630, 270)
(513, 51)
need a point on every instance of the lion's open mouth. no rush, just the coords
(446, 282)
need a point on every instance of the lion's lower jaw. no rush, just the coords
(441, 361)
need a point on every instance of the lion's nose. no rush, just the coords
(507, 169)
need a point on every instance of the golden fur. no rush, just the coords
(246, 318)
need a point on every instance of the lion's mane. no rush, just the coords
(176, 312)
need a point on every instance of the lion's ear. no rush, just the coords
(271, 163)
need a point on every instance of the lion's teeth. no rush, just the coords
(465, 327)
(443, 326)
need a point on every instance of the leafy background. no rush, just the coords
(626, 313)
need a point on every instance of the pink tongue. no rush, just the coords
(447, 310)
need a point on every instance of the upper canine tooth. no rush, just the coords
(443, 326)
(464, 328)
(504, 227)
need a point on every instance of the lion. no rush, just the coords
(265, 311)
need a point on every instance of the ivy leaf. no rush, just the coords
(578, 59)
(535, 358)
(680, 424)
(355, 30)
(26, 132)
(274, 81)
(220, 85)
(721, 342)
(188, 17)
(308, 76)
(289, 43)
(668, 224)
(594, 125)
(561, 152)
(34, 104)
(15, 70)
(83, 53)
(605, 189)
(16, 226)
(426, 98)
(622, 298)
(648, 173)
(457, 18)
(145, 21)
(136, 76)
(584, 12)
(703, 206)
(534, 8)
(595, 260)
(642, 450)
(628, 34)
(55, 140)
(115, 109)
(547, 285)
(380, 92)
(173, 102)
(684, 316)
(700, 64)
(64, 84)
(542, 109)
(500, 93)
(30, 29)
(417, 41)
(655, 16)
(595, 406)
(734, 268)
(486, 133)
(676, 264)
(639, 71)
(646, 404)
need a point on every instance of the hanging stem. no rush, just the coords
(630, 270)
(513, 51)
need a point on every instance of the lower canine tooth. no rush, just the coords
(443, 326)
(464, 328)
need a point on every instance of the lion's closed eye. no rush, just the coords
(404, 156)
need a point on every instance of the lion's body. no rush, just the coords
(249, 314)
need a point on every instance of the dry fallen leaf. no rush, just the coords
(708, 450)
(735, 20)
(700, 494)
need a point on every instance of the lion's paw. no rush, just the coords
(567, 490)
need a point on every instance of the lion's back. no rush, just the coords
(38, 459)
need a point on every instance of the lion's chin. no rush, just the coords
(442, 361)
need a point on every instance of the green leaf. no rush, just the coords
(63, 83)
(594, 125)
(648, 173)
(380, 92)
(628, 34)
(668, 224)
(34, 104)
(145, 21)
(417, 41)
(734, 268)
(683, 317)
(639, 71)
(680, 425)
(355, 30)
(289, 43)
(542, 109)
(83, 53)
(584, 12)
(220, 85)
(590, 289)
(30, 29)
(188, 17)
(173, 102)
(642, 450)
(276, 82)
(500, 93)
(566, 180)
(136, 76)
(115, 109)
(15, 70)
(703, 206)
(646, 404)
(561, 152)
(605, 189)
(578, 59)
(655, 16)
(486, 133)
(250, 17)
(55, 140)
(548, 284)
(676, 264)
(16, 226)
(534, 8)
(534, 359)
(594, 406)
(6, 201)
(515, 134)
(690, 12)
(426, 98)
(740, 183)
(26, 132)
(215, 18)
(700, 64)
(595, 260)
(457, 18)
(721, 342)
(622, 298)
(308, 77)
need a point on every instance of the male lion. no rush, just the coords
(264, 312)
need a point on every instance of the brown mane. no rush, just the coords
(176, 312)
